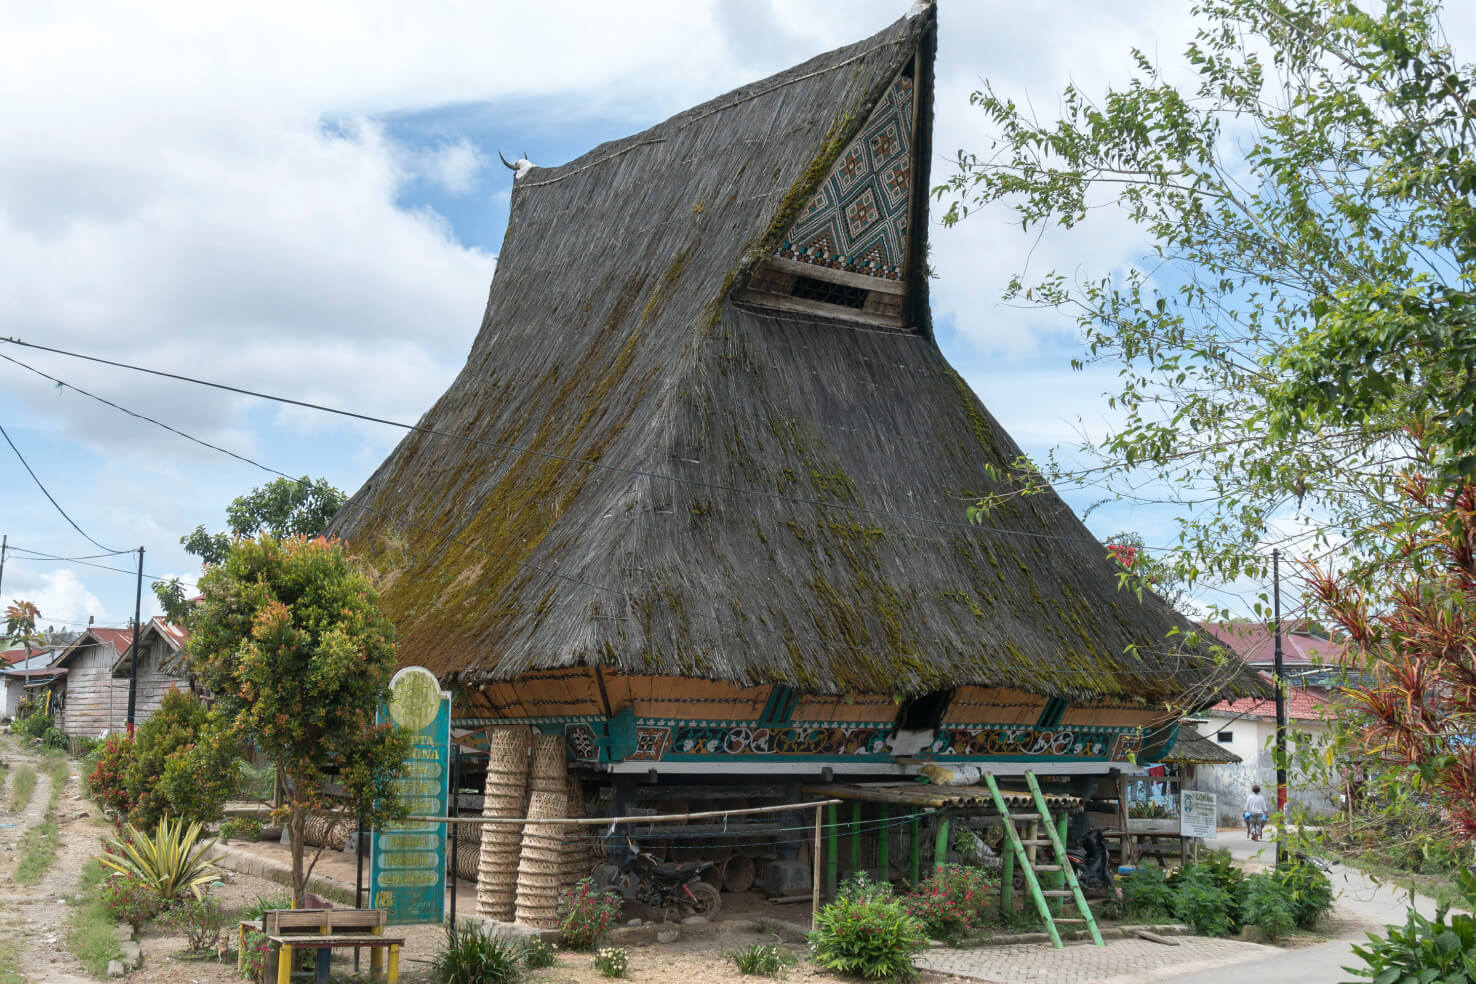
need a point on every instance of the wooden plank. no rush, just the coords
(816, 272)
(837, 312)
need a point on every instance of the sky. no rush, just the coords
(305, 199)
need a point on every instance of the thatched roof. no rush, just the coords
(754, 518)
(1193, 748)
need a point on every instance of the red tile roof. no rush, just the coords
(1254, 642)
(1302, 704)
(17, 655)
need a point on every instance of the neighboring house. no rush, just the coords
(1247, 729)
(19, 673)
(93, 698)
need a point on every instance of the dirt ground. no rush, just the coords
(40, 912)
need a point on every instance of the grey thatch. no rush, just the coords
(611, 335)
(1192, 748)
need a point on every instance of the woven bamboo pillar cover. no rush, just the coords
(550, 769)
(540, 864)
(507, 781)
(576, 862)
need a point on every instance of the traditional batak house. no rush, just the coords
(701, 512)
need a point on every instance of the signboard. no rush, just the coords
(407, 861)
(1197, 814)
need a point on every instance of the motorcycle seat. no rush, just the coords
(681, 872)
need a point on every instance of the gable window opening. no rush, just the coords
(811, 289)
(1225, 737)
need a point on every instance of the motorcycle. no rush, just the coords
(1089, 863)
(638, 876)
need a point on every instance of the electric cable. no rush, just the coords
(52, 499)
(102, 567)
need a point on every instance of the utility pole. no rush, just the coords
(1280, 701)
(133, 661)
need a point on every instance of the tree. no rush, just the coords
(284, 507)
(290, 638)
(281, 508)
(20, 627)
(1419, 702)
(1303, 325)
(1140, 569)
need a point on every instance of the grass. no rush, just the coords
(90, 928)
(9, 956)
(57, 770)
(38, 849)
(21, 786)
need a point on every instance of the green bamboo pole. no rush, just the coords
(1059, 881)
(1007, 874)
(855, 836)
(912, 860)
(940, 843)
(883, 843)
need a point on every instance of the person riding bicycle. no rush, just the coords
(1255, 813)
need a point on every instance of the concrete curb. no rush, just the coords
(247, 863)
(1108, 933)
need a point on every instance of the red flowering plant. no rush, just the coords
(108, 780)
(950, 903)
(588, 916)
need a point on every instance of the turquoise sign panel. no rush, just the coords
(407, 861)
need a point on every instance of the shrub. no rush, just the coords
(870, 938)
(539, 953)
(766, 959)
(1424, 950)
(183, 764)
(1146, 894)
(54, 738)
(107, 775)
(589, 915)
(1268, 905)
(200, 920)
(33, 726)
(1200, 901)
(471, 956)
(858, 885)
(129, 900)
(1309, 889)
(172, 863)
(254, 947)
(242, 828)
(612, 961)
(264, 904)
(950, 903)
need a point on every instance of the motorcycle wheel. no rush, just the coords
(708, 900)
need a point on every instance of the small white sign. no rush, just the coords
(1197, 814)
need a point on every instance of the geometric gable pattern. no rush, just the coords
(857, 220)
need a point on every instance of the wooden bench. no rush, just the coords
(288, 930)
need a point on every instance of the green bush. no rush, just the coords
(588, 916)
(858, 885)
(172, 862)
(1146, 894)
(1309, 889)
(1268, 904)
(200, 920)
(870, 938)
(126, 899)
(1424, 951)
(764, 959)
(471, 956)
(33, 726)
(182, 765)
(1202, 902)
(107, 775)
(539, 953)
(242, 828)
(950, 903)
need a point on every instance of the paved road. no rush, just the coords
(1361, 907)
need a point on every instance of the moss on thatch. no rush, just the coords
(610, 336)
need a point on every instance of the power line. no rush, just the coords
(52, 499)
(503, 446)
(39, 555)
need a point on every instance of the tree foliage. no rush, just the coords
(1304, 323)
(281, 508)
(1419, 694)
(290, 638)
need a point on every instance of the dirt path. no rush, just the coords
(40, 911)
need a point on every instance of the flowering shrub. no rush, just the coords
(860, 886)
(107, 782)
(873, 938)
(612, 961)
(129, 900)
(589, 915)
(200, 920)
(253, 954)
(951, 902)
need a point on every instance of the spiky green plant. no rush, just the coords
(172, 863)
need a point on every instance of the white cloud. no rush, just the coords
(453, 165)
(60, 595)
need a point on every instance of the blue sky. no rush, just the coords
(305, 199)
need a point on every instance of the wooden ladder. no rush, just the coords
(1029, 869)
